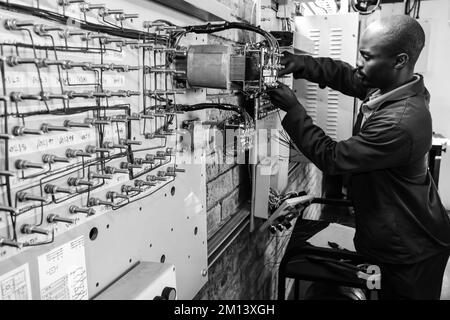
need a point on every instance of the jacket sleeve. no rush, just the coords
(335, 74)
(381, 144)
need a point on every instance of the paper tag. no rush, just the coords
(62, 272)
(15, 285)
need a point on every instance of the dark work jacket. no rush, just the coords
(399, 217)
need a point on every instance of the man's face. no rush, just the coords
(375, 65)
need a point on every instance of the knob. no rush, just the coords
(51, 218)
(169, 293)
(29, 229)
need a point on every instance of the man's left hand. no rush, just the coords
(283, 97)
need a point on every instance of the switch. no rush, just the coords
(10, 243)
(52, 218)
(51, 158)
(25, 196)
(20, 131)
(25, 164)
(72, 153)
(74, 209)
(29, 229)
(75, 182)
(53, 189)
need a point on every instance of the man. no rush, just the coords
(400, 221)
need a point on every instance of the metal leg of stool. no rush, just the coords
(296, 289)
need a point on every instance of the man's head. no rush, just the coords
(389, 50)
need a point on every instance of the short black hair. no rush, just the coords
(404, 35)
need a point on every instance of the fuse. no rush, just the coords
(97, 121)
(73, 124)
(52, 218)
(19, 96)
(49, 96)
(112, 195)
(94, 149)
(14, 61)
(84, 7)
(53, 189)
(140, 183)
(126, 165)
(25, 196)
(128, 189)
(66, 34)
(111, 145)
(129, 142)
(74, 209)
(141, 161)
(42, 29)
(75, 182)
(73, 94)
(96, 175)
(112, 170)
(13, 24)
(103, 12)
(29, 229)
(51, 158)
(105, 94)
(97, 202)
(155, 178)
(66, 3)
(124, 16)
(25, 164)
(48, 127)
(20, 131)
(72, 153)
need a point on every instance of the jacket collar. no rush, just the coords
(412, 88)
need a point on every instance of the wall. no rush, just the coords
(437, 12)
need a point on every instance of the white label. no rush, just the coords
(15, 285)
(62, 272)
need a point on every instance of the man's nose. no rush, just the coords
(359, 63)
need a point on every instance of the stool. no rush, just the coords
(295, 263)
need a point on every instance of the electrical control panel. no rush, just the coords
(94, 175)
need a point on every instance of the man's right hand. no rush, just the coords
(292, 63)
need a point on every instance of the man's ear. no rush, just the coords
(401, 61)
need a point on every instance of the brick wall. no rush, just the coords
(248, 267)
